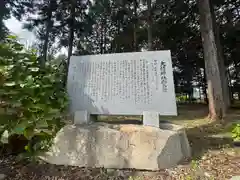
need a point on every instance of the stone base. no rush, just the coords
(119, 146)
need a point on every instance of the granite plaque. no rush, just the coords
(122, 83)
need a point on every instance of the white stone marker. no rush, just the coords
(122, 84)
(151, 118)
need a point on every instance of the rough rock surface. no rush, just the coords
(119, 146)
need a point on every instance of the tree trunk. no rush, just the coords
(149, 22)
(135, 5)
(70, 35)
(204, 85)
(3, 30)
(48, 30)
(215, 90)
(222, 67)
(71, 31)
(102, 36)
(118, 48)
(230, 88)
(105, 33)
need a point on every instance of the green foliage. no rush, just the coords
(236, 132)
(33, 99)
(194, 164)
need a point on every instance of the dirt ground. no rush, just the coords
(214, 156)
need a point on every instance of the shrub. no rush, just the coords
(236, 132)
(33, 99)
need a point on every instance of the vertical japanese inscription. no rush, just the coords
(163, 76)
(137, 81)
(132, 80)
(146, 91)
(105, 84)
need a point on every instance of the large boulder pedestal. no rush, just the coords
(119, 146)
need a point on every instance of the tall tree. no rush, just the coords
(43, 26)
(222, 67)
(149, 23)
(71, 21)
(135, 23)
(71, 26)
(211, 55)
(49, 24)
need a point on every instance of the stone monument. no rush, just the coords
(138, 83)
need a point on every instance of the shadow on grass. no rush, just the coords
(185, 113)
(207, 137)
(119, 121)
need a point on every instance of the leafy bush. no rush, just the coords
(33, 99)
(236, 132)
